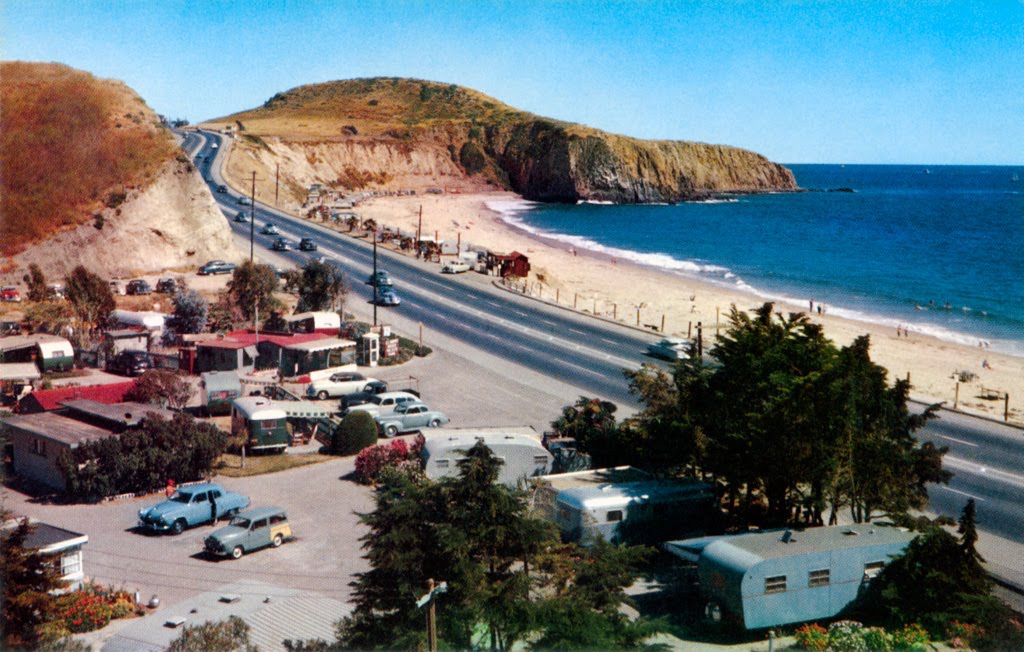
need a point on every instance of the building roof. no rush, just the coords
(321, 345)
(126, 414)
(273, 613)
(597, 477)
(19, 371)
(614, 487)
(258, 407)
(243, 339)
(50, 538)
(465, 438)
(58, 428)
(15, 342)
(45, 400)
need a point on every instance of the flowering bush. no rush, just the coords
(92, 608)
(397, 455)
(812, 637)
(846, 636)
(961, 635)
(911, 637)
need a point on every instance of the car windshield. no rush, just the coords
(179, 497)
(240, 521)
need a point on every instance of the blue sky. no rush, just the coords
(813, 81)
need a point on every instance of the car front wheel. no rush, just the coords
(237, 552)
(178, 526)
(277, 541)
(434, 423)
(391, 431)
(322, 395)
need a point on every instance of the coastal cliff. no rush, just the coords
(91, 176)
(394, 133)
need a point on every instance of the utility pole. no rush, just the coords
(419, 231)
(429, 599)
(252, 220)
(277, 179)
(374, 232)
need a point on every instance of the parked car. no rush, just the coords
(269, 229)
(55, 291)
(116, 288)
(241, 217)
(9, 328)
(280, 245)
(380, 279)
(386, 296)
(138, 286)
(343, 382)
(670, 348)
(188, 507)
(130, 363)
(167, 286)
(385, 403)
(250, 530)
(409, 417)
(10, 294)
(307, 244)
(216, 267)
(222, 188)
(362, 397)
(455, 267)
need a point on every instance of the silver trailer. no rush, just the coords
(626, 505)
(519, 449)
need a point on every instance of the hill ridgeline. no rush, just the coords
(395, 133)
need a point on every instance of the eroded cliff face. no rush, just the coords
(174, 223)
(399, 134)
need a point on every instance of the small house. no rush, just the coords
(56, 541)
(225, 355)
(48, 400)
(127, 339)
(626, 505)
(769, 579)
(513, 264)
(519, 450)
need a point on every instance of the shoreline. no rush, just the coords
(635, 293)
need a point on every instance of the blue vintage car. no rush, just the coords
(191, 506)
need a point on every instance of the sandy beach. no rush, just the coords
(617, 289)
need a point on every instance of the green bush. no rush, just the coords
(355, 432)
(472, 158)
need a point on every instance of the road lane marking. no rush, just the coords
(963, 493)
(960, 441)
(980, 469)
(584, 369)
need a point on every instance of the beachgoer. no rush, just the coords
(898, 329)
(819, 308)
(985, 364)
(811, 303)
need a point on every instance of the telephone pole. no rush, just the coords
(252, 219)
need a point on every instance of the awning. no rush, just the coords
(304, 409)
(19, 371)
(322, 345)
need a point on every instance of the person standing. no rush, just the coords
(213, 509)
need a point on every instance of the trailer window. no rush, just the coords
(614, 515)
(818, 578)
(872, 569)
(442, 464)
(776, 584)
(540, 460)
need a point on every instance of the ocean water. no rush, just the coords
(939, 249)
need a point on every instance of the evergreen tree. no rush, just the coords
(251, 289)
(969, 535)
(27, 577)
(321, 286)
(89, 296)
(191, 311)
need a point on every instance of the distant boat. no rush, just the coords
(927, 171)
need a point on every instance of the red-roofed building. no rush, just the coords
(513, 264)
(48, 400)
(291, 353)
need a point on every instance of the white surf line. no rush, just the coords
(1005, 477)
(963, 493)
(960, 441)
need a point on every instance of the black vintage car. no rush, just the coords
(130, 363)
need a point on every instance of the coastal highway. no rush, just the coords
(586, 353)
(986, 457)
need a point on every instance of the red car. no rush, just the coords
(10, 294)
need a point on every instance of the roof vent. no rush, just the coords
(174, 623)
(851, 533)
(230, 598)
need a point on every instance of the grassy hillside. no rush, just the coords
(385, 126)
(70, 144)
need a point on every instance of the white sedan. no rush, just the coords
(670, 348)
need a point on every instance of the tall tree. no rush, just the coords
(164, 387)
(27, 577)
(90, 298)
(231, 635)
(191, 311)
(251, 289)
(321, 286)
(36, 282)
